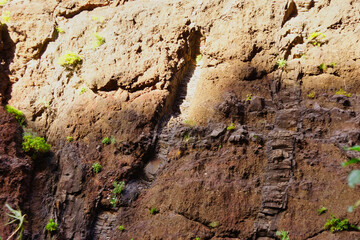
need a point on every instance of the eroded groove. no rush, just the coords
(280, 150)
(68, 13)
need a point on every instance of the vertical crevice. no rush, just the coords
(7, 52)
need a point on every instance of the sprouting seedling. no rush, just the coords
(106, 141)
(82, 90)
(281, 63)
(154, 211)
(311, 95)
(322, 67)
(322, 210)
(332, 65)
(96, 167)
(316, 38)
(15, 215)
(99, 40)
(248, 97)
(284, 235)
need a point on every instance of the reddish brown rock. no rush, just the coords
(279, 164)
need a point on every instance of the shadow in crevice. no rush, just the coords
(290, 12)
(179, 86)
(182, 91)
(7, 53)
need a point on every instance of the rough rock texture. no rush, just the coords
(167, 112)
(15, 168)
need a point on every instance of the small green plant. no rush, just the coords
(322, 67)
(16, 215)
(186, 137)
(303, 56)
(59, 30)
(232, 126)
(32, 143)
(70, 59)
(113, 201)
(311, 95)
(51, 226)
(284, 235)
(98, 41)
(213, 224)
(82, 90)
(5, 17)
(106, 141)
(121, 228)
(197, 238)
(113, 140)
(322, 210)
(154, 211)
(96, 167)
(332, 65)
(118, 187)
(69, 139)
(336, 225)
(248, 97)
(343, 92)
(20, 117)
(317, 38)
(281, 63)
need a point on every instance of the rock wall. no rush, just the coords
(141, 86)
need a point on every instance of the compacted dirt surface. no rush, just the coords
(204, 125)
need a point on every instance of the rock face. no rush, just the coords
(203, 126)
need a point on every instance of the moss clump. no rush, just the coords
(336, 225)
(32, 143)
(106, 141)
(343, 92)
(70, 59)
(232, 126)
(5, 17)
(51, 226)
(20, 117)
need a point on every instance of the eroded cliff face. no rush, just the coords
(168, 80)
